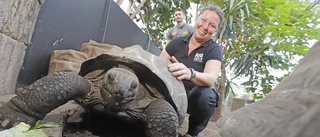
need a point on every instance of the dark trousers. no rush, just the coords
(202, 102)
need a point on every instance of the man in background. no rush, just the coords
(181, 28)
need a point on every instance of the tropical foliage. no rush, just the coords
(261, 36)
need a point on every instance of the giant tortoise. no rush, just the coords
(129, 83)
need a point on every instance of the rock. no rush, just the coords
(57, 131)
(291, 109)
(18, 18)
(17, 21)
(5, 98)
(11, 56)
(59, 116)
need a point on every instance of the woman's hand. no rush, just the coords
(179, 70)
(206, 78)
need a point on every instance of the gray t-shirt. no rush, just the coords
(176, 31)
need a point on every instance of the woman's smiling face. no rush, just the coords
(206, 24)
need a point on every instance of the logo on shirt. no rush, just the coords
(185, 32)
(198, 57)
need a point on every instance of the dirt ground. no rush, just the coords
(96, 122)
(93, 129)
(211, 130)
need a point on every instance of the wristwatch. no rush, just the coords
(193, 73)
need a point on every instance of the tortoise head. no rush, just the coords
(119, 87)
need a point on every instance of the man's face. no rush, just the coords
(179, 16)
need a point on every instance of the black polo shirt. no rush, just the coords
(197, 59)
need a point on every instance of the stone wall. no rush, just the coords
(17, 21)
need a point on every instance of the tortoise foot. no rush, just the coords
(162, 120)
(11, 115)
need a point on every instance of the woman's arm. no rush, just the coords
(164, 55)
(206, 78)
(209, 75)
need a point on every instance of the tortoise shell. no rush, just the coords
(150, 70)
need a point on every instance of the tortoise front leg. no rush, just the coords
(41, 97)
(162, 120)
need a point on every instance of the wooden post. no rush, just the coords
(237, 103)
